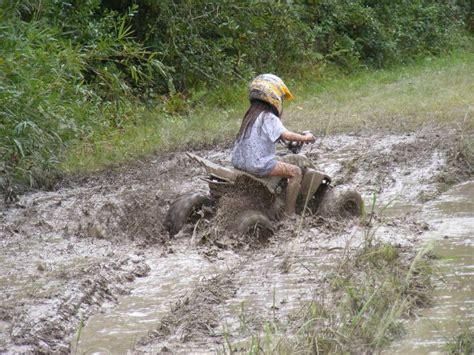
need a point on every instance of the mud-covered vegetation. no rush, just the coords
(372, 290)
(463, 343)
(113, 80)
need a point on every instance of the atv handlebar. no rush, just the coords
(294, 146)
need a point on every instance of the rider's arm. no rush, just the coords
(295, 137)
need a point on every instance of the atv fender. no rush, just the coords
(312, 179)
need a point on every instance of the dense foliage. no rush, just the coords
(70, 70)
(210, 40)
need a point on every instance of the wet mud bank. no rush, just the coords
(95, 251)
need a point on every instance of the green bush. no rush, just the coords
(208, 41)
(63, 81)
(42, 101)
(214, 41)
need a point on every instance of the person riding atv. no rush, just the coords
(262, 186)
(255, 147)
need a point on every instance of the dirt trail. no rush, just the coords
(68, 252)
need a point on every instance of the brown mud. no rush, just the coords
(78, 254)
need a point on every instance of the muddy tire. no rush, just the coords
(341, 203)
(182, 209)
(253, 224)
(350, 204)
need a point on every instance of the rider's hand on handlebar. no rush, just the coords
(309, 137)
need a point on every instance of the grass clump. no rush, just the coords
(378, 288)
(374, 289)
(462, 343)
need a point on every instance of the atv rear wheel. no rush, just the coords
(183, 208)
(254, 223)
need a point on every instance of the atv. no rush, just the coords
(261, 200)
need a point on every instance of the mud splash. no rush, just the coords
(71, 251)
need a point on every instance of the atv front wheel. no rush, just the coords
(349, 204)
(183, 208)
(341, 203)
(254, 224)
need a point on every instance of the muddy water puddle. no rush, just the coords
(270, 284)
(452, 234)
(117, 328)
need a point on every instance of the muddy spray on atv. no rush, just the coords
(250, 206)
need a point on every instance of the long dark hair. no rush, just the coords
(255, 109)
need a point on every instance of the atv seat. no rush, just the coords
(221, 172)
(230, 175)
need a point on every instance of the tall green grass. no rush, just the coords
(42, 102)
(431, 91)
(56, 90)
(463, 343)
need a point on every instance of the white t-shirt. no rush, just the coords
(256, 153)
